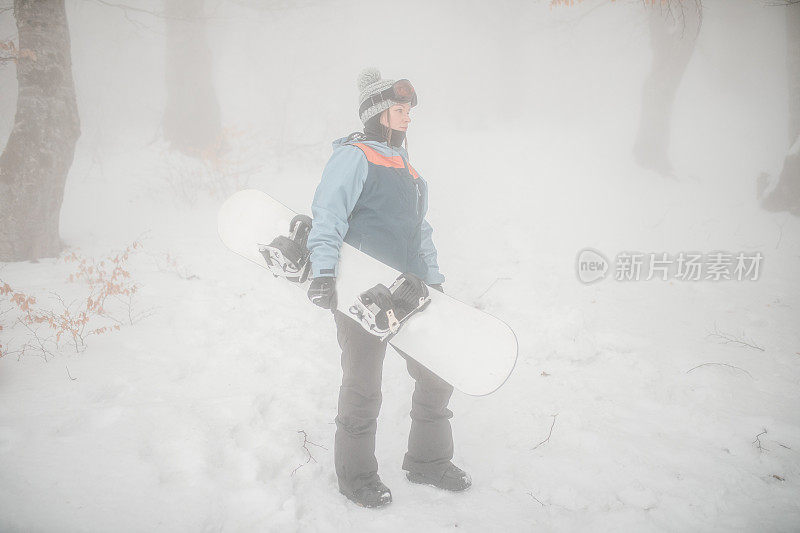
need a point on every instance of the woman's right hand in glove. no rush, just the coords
(322, 292)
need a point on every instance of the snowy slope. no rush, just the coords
(190, 419)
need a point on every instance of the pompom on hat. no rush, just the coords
(371, 84)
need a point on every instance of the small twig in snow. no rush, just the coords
(310, 458)
(490, 286)
(721, 364)
(166, 263)
(727, 339)
(529, 493)
(68, 374)
(757, 442)
(780, 233)
(548, 435)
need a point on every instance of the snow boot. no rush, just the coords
(372, 495)
(453, 479)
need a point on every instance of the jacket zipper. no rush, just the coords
(416, 185)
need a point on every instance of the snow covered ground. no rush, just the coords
(194, 418)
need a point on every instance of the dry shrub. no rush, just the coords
(106, 303)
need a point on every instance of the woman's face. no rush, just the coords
(397, 117)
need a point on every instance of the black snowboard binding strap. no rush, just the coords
(288, 256)
(382, 311)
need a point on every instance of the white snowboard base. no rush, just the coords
(472, 350)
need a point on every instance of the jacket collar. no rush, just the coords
(382, 147)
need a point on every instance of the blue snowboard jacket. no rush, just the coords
(372, 198)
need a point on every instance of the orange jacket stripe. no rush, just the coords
(377, 158)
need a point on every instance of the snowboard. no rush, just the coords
(470, 349)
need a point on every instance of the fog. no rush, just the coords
(564, 82)
(528, 118)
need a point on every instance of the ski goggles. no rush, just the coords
(401, 91)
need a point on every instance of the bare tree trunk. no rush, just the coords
(674, 26)
(783, 194)
(192, 116)
(41, 147)
(793, 68)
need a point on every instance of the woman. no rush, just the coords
(372, 198)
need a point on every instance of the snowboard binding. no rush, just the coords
(288, 256)
(381, 310)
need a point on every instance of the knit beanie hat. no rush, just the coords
(371, 84)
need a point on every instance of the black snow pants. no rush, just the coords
(430, 443)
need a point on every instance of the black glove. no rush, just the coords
(437, 287)
(412, 289)
(322, 292)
